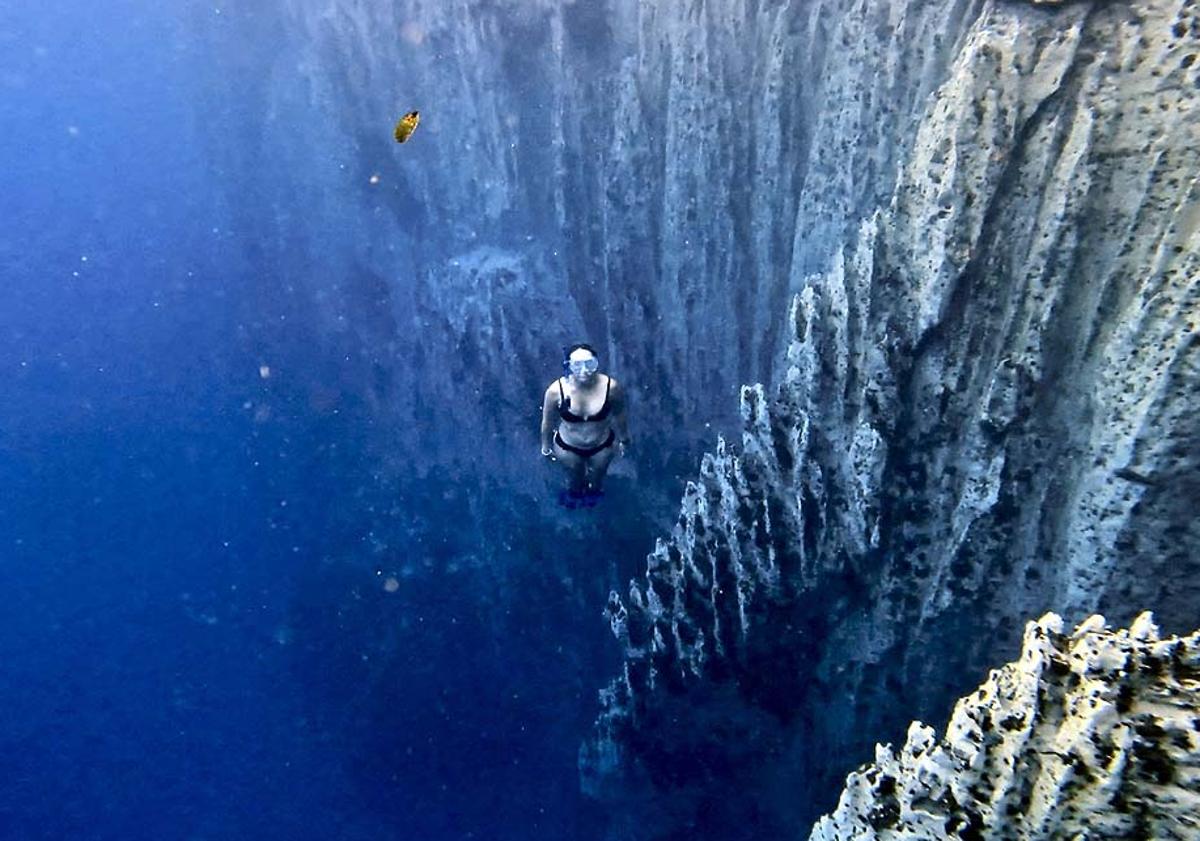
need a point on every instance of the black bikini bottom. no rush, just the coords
(585, 452)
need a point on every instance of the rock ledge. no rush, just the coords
(1094, 735)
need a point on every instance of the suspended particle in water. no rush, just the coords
(264, 371)
(413, 33)
(374, 179)
(390, 584)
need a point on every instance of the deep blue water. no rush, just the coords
(194, 640)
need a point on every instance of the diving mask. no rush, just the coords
(584, 366)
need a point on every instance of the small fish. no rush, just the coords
(406, 126)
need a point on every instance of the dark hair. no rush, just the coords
(569, 349)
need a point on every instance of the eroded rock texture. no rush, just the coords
(984, 413)
(656, 177)
(1093, 734)
(958, 237)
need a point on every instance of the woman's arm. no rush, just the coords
(549, 410)
(620, 414)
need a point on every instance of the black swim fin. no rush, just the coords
(570, 499)
(590, 498)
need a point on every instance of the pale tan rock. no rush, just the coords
(1093, 734)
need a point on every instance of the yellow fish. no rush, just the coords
(406, 126)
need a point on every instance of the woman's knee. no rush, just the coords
(598, 464)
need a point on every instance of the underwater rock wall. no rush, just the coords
(1090, 734)
(983, 415)
(958, 238)
(664, 179)
(656, 177)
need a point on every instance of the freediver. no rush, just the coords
(593, 426)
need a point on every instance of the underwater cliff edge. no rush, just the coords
(984, 413)
(958, 241)
(1090, 733)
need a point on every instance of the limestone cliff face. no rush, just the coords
(982, 413)
(657, 177)
(958, 239)
(1091, 734)
(666, 177)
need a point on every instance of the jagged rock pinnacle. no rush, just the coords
(1093, 734)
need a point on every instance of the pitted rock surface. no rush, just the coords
(982, 413)
(1091, 734)
(956, 239)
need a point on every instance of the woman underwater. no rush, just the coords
(592, 424)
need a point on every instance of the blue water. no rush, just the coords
(194, 642)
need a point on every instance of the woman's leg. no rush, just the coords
(575, 465)
(597, 467)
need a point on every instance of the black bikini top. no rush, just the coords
(564, 406)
